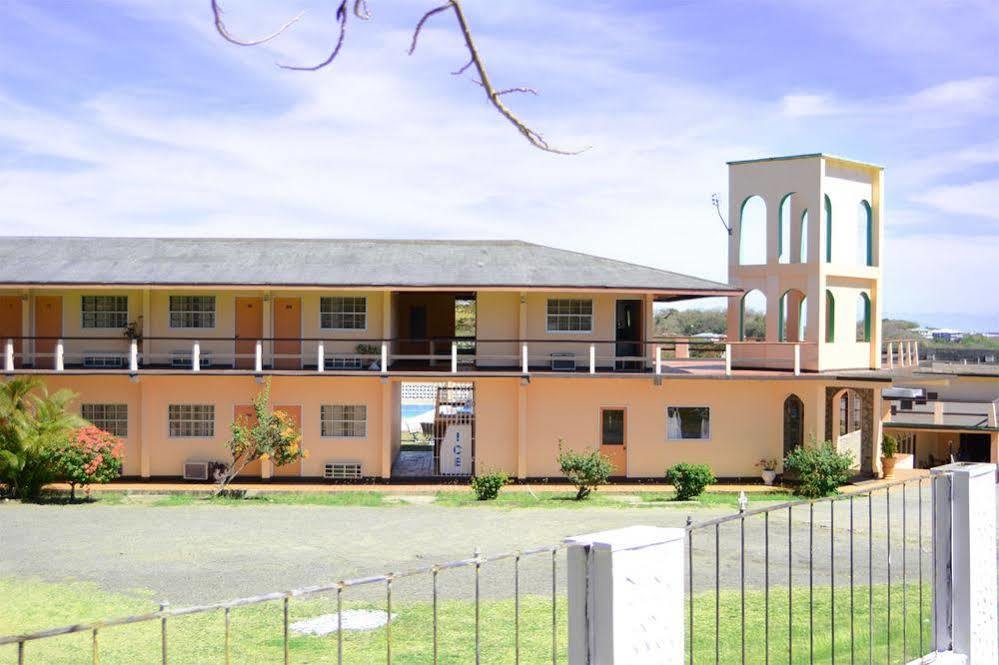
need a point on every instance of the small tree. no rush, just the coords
(89, 455)
(689, 480)
(269, 434)
(587, 470)
(820, 469)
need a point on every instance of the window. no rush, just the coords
(830, 318)
(865, 235)
(344, 421)
(343, 313)
(752, 316)
(112, 418)
(192, 311)
(612, 427)
(688, 422)
(863, 318)
(191, 420)
(794, 423)
(104, 311)
(569, 315)
(829, 229)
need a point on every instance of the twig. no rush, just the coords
(341, 17)
(463, 68)
(224, 32)
(419, 26)
(361, 10)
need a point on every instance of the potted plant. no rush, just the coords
(768, 470)
(889, 446)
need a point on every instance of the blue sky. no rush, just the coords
(131, 117)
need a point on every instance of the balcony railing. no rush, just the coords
(898, 353)
(382, 356)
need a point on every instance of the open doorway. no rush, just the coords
(437, 435)
(426, 323)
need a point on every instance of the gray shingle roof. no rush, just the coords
(321, 262)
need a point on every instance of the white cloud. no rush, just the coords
(801, 105)
(973, 198)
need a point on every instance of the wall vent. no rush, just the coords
(564, 362)
(342, 470)
(195, 470)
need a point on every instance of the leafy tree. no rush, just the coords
(89, 455)
(689, 480)
(33, 424)
(587, 470)
(269, 434)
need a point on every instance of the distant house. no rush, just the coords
(947, 335)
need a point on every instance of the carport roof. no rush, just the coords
(330, 263)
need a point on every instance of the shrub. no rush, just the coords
(689, 480)
(586, 470)
(269, 434)
(820, 469)
(487, 486)
(89, 455)
(889, 446)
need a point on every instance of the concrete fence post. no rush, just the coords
(133, 355)
(625, 589)
(8, 356)
(60, 356)
(964, 552)
(321, 357)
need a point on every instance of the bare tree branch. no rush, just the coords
(224, 32)
(361, 10)
(419, 26)
(341, 17)
(464, 67)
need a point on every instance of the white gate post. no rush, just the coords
(965, 601)
(626, 597)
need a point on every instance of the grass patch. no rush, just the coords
(256, 631)
(599, 499)
(276, 499)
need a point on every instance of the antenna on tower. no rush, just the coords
(716, 202)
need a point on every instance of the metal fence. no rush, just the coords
(842, 579)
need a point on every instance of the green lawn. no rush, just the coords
(256, 632)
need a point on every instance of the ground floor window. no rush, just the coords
(688, 422)
(191, 420)
(112, 418)
(612, 427)
(344, 421)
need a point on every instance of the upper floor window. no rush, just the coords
(104, 311)
(192, 311)
(337, 313)
(112, 418)
(343, 421)
(191, 420)
(570, 315)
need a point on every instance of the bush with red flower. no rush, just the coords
(89, 455)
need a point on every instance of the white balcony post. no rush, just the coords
(659, 360)
(258, 356)
(728, 360)
(454, 357)
(891, 355)
(915, 353)
(321, 357)
(964, 551)
(60, 356)
(196, 357)
(8, 356)
(797, 359)
(523, 358)
(625, 592)
(384, 366)
(133, 355)
(908, 353)
(593, 358)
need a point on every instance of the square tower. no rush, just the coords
(805, 247)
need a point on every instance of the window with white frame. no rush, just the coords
(104, 311)
(344, 421)
(191, 420)
(688, 422)
(112, 418)
(343, 313)
(192, 311)
(570, 315)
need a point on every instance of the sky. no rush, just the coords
(132, 117)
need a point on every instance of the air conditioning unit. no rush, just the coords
(563, 362)
(195, 470)
(342, 470)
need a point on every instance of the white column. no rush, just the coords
(454, 357)
(593, 359)
(797, 359)
(133, 356)
(384, 357)
(728, 360)
(196, 357)
(60, 356)
(659, 359)
(523, 358)
(321, 357)
(8, 356)
(915, 353)
(625, 589)
(258, 356)
(964, 544)
(891, 355)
